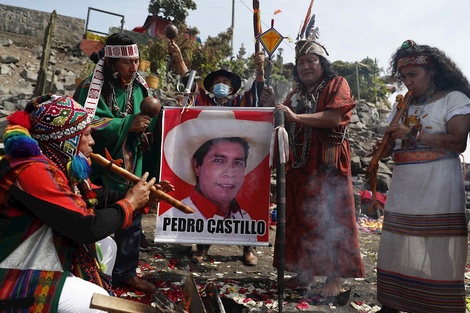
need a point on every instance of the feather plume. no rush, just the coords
(307, 19)
(314, 34)
(310, 25)
(300, 35)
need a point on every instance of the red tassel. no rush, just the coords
(20, 118)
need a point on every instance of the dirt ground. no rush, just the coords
(254, 288)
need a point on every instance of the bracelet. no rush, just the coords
(418, 136)
(128, 212)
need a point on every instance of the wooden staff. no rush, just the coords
(256, 24)
(98, 159)
(279, 118)
(373, 166)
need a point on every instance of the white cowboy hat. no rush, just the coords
(182, 141)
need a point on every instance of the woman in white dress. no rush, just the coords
(423, 247)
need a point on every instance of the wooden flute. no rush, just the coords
(402, 106)
(100, 160)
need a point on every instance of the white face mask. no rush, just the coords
(221, 90)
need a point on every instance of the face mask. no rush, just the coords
(220, 90)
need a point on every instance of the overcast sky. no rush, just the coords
(351, 30)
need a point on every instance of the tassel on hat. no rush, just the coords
(17, 139)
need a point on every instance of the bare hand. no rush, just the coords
(386, 152)
(398, 131)
(140, 123)
(139, 194)
(175, 51)
(290, 116)
(164, 186)
(267, 97)
(258, 59)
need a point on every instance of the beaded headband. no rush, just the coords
(97, 80)
(420, 60)
(116, 51)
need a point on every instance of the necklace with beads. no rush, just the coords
(305, 104)
(422, 102)
(129, 89)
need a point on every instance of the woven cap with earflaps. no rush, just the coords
(58, 121)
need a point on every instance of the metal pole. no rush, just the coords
(281, 216)
(357, 80)
(233, 24)
(86, 24)
(122, 25)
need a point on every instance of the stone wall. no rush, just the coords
(33, 23)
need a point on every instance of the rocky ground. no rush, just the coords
(254, 289)
(66, 60)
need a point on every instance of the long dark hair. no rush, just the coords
(109, 80)
(447, 76)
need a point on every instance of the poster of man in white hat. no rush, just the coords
(218, 160)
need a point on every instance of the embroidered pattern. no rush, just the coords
(402, 157)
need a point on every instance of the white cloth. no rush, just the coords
(428, 188)
(76, 296)
(420, 190)
(36, 252)
(106, 251)
(77, 293)
(205, 230)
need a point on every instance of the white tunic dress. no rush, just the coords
(423, 246)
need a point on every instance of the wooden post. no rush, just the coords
(41, 82)
(281, 214)
(118, 305)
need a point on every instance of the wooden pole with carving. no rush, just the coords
(41, 81)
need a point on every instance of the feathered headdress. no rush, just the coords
(307, 38)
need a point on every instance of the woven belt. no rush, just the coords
(421, 156)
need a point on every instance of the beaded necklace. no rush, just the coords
(129, 100)
(419, 102)
(423, 101)
(305, 105)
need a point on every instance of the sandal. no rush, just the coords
(137, 284)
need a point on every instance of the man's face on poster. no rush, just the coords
(221, 174)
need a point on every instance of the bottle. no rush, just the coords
(274, 217)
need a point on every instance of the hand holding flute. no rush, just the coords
(139, 195)
(382, 146)
(100, 160)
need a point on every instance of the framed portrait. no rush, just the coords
(218, 160)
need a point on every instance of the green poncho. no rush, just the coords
(111, 131)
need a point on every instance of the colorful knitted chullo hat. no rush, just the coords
(51, 125)
(58, 123)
